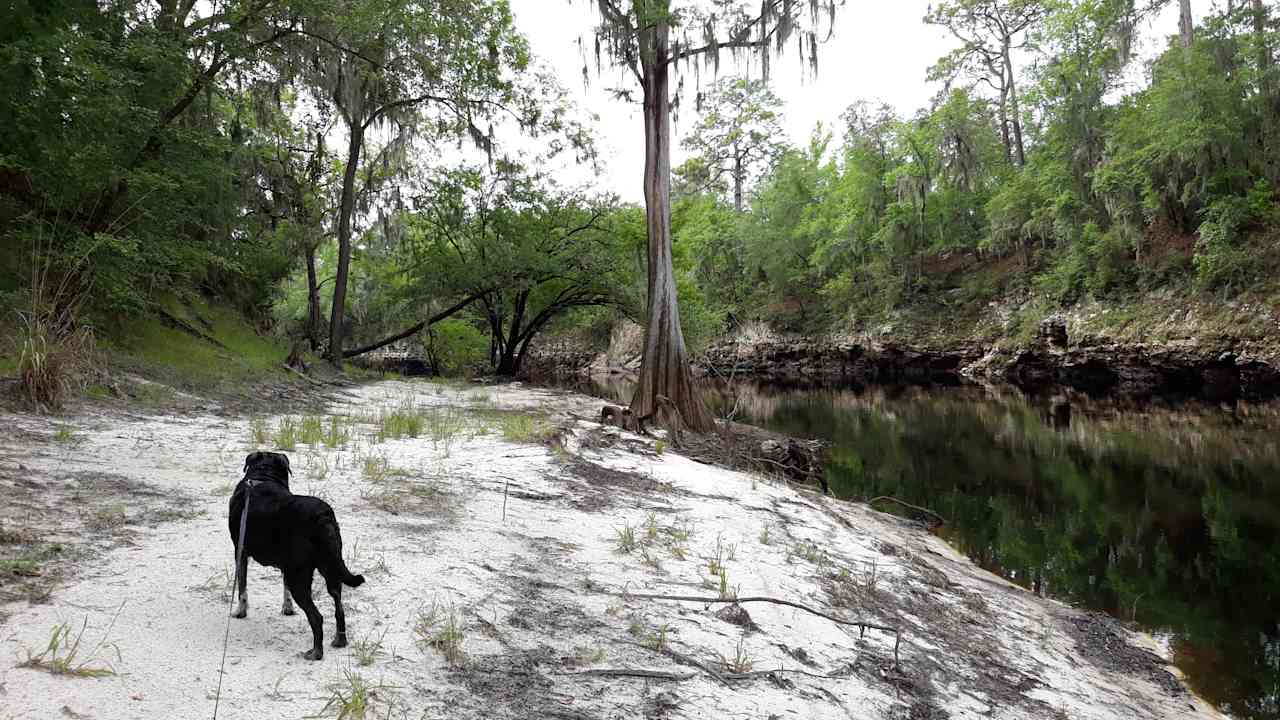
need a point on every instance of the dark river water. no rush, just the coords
(1167, 515)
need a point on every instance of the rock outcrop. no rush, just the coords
(1133, 370)
(802, 360)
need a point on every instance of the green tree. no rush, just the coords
(649, 38)
(527, 251)
(443, 65)
(992, 31)
(737, 139)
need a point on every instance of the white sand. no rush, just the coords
(527, 591)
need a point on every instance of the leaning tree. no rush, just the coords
(651, 40)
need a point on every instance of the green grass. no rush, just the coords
(259, 432)
(154, 394)
(65, 654)
(64, 434)
(107, 518)
(98, 392)
(177, 357)
(337, 432)
(441, 629)
(367, 649)
(514, 425)
(404, 420)
(23, 566)
(625, 538)
(352, 699)
(287, 433)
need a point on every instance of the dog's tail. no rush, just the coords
(332, 538)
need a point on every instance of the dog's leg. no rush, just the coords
(299, 582)
(287, 607)
(335, 591)
(242, 577)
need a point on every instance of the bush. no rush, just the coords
(1220, 260)
(455, 347)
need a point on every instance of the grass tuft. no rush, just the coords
(523, 427)
(741, 662)
(367, 649)
(65, 654)
(287, 434)
(107, 518)
(53, 358)
(440, 629)
(353, 698)
(626, 538)
(259, 432)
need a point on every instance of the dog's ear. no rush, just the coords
(250, 459)
(287, 470)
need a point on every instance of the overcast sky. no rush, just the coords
(880, 50)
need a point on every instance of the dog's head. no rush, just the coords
(268, 466)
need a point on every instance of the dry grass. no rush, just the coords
(53, 359)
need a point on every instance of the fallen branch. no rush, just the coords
(685, 660)
(863, 625)
(886, 498)
(764, 673)
(629, 672)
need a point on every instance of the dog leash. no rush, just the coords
(226, 637)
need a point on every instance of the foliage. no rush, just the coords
(453, 347)
(736, 141)
(527, 251)
(1073, 184)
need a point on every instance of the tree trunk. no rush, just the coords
(1267, 91)
(664, 367)
(313, 302)
(737, 179)
(1004, 129)
(1185, 26)
(1020, 152)
(507, 366)
(336, 314)
(507, 362)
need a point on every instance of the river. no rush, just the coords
(1161, 514)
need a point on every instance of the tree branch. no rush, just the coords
(415, 329)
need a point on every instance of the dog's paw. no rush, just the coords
(339, 641)
(288, 610)
(240, 612)
(313, 654)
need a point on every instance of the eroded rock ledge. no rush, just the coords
(1095, 367)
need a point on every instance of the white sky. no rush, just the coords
(880, 51)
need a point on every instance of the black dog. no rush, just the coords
(296, 533)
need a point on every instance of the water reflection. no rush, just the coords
(1163, 515)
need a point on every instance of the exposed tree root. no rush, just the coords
(863, 625)
(886, 498)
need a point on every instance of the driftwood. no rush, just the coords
(863, 625)
(886, 498)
